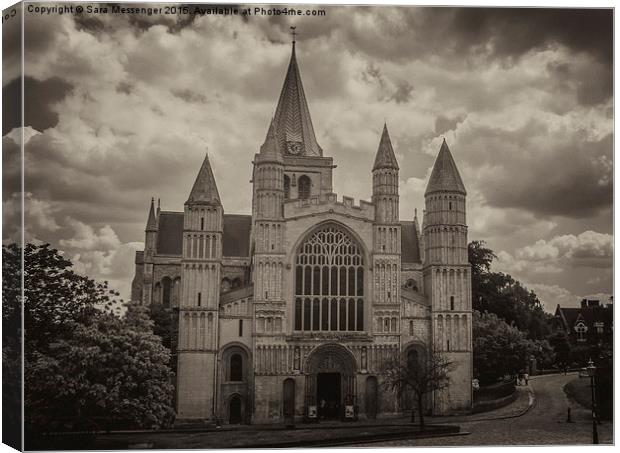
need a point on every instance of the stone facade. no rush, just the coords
(293, 311)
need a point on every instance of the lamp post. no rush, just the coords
(591, 372)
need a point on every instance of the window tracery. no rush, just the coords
(329, 283)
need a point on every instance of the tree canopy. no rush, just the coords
(501, 349)
(504, 296)
(86, 366)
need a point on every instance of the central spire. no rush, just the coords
(293, 125)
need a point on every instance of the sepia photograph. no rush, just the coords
(306, 226)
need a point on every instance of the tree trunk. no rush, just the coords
(421, 410)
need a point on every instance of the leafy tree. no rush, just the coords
(166, 326)
(11, 346)
(501, 349)
(420, 376)
(499, 293)
(560, 343)
(85, 365)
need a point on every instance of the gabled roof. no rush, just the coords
(409, 244)
(205, 188)
(445, 176)
(170, 234)
(236, 240)
(151, 223)
(385, 157)
(292, 118)
(589, 315)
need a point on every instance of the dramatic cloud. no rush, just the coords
(123, 108)
(587, 246)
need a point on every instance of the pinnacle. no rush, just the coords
(205, 187)
(151, 223)
(270, 149)
(385, 157)
(445, 176)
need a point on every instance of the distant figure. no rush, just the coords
(526, 377)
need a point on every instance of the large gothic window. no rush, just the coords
(329, 282)
(304, 187)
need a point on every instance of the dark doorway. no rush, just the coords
(328, 395)
(235, 410)
(371, 397)
(289, 402)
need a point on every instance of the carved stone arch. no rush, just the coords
(331, 357)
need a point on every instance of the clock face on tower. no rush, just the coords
(293, 148)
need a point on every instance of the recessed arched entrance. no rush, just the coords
(330, 383)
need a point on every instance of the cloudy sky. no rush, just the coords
(119, 108)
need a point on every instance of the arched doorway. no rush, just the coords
(371, 397)
(288, 401)
(330, 383)
(234, 410)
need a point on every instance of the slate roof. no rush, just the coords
(385, 157)
(292, 118)
(237, 234)
(445, 176)
(236, 238)
(589, 315)
(410, 244)
(205, 188)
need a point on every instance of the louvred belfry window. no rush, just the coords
(329, 282)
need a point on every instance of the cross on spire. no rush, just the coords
(293, 33)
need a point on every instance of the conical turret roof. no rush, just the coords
(270, 149)
(205, 188)
(292, 120)
(385, 157)
(445, 176)
(151, 223)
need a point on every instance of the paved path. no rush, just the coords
(543, 423)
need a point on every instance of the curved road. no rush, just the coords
(544, 424)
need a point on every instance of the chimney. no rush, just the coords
(584, 303)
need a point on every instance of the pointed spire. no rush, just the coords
(416, 224)
(151, 223)
(385, 157)
(158, 206)
(270, 149)
(445, 176)
(292, 118)
(205, 188)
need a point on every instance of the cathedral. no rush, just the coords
(291, 313)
